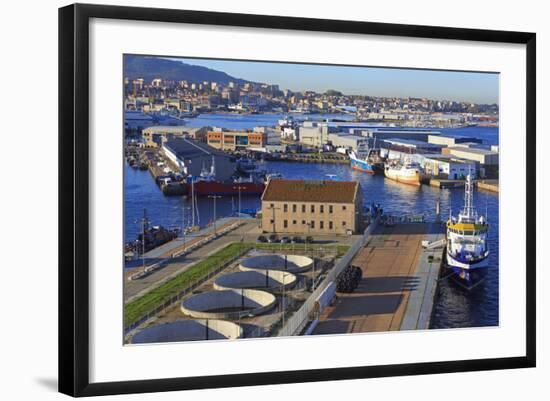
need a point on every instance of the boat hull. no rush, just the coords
(404, 179)
(363, 166)
(467, 275)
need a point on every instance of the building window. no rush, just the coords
(330, 225)
(343, 207)
(293, 208)
(330, 208)
(272, 206)
(303, 208)
(312, 208)
(285, 208)
(294, 222)
(285, 224)
(312, 224)
(303, 222)
(271, 221)
(322, 207)
(321, 225)
(343, 224)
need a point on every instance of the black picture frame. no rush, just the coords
(74, 198)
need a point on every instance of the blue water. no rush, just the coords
(249, 121)
(455, 307)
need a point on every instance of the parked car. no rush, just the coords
(273, 238)
(297, 240)
(309, 239)
(262, 238)
(285, 240)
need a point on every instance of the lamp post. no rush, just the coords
(184, 223)
(239, 188)
(143, 229)
(214, 197)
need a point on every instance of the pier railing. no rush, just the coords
(297, 321)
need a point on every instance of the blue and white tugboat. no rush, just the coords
(467, 247)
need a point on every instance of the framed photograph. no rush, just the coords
(251, 199)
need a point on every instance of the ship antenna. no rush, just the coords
(468, 196)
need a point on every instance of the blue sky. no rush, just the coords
(449, 85)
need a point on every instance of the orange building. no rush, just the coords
(235, 140)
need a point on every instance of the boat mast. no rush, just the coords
(468, 210)
(193, 201)
(143, 229)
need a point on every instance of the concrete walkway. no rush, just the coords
(389, 262)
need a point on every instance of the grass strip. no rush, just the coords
(137, 308)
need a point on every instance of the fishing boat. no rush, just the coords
(405, 172)
(368, 160)
(207, 184)
(467, 248)
(246, 165)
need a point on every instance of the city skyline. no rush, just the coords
(475, 87)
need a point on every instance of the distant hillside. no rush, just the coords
(150, 68)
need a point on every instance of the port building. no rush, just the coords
(193, 157)
(482, 156)
(447, 140)
(348, 141)
(488, 160)
(396, 133)
(311, 207)
(155, 136)
(448, 167)
(315, 134)
(410, 145)
(236, 140)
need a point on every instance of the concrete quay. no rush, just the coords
(398, 285)
(488, 185)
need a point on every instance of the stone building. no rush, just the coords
(312, 207)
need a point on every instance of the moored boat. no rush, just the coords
(204, 188)
(405, 172)
(206, 184)
(467, 248)
(368, 160)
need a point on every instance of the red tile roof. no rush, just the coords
(311, 191)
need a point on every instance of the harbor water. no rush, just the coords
(454, 307)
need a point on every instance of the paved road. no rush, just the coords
(135, 288)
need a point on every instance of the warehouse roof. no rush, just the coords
(189, 149)
(311, 191)
(473, 150)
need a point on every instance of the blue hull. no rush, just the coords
(468, 278)
(362, 165)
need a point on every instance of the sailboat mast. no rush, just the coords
(193, 201)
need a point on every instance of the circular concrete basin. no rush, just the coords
(289, 263)
(228, 304)
(188, 330)
(270, 280)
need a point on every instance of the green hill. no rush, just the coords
(150, 68)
